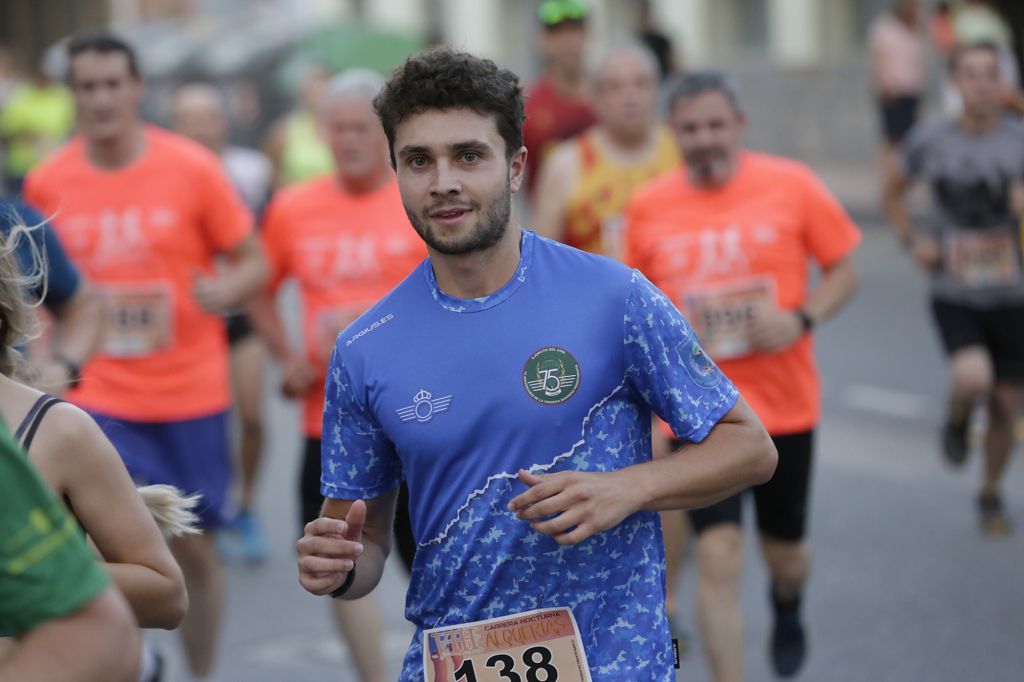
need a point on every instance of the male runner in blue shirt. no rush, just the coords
(510, 381)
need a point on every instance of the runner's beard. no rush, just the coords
(487, 232)
(706, 166)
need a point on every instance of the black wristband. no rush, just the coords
(344, 587)
(806, 321)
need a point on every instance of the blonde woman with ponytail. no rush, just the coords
(74, 457)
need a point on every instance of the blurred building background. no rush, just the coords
(801, 64)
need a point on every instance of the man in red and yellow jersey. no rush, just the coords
(731, 238)
(585, 183)
(345, 239)
(143, 213)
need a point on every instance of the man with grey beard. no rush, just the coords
(730, 239)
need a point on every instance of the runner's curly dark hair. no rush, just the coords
(442, 78)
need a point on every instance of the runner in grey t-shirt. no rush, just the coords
(971, 175)
(970, 244)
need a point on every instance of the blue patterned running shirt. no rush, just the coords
(558, 370)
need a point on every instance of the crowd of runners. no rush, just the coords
(539, 415)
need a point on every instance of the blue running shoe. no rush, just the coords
(254, 547)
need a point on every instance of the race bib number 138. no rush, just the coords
(534, 646)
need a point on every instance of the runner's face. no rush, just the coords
(356, 137)
(708, 131)
(107, 95)
(626, 94)
(202, 121)
(563, 46)
(977, 78)
(455, 180)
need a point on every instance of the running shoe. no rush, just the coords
(994, 522)
(788, 639)
(254, 547)
(954, 442)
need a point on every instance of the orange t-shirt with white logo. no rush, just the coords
(346, 252)
(141, 234)
(723, 254)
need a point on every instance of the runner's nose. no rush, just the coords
(446, 181)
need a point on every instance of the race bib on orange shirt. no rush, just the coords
(329, 324)
(140, 319)
(984, 260)
(542, 645)
(723, 316)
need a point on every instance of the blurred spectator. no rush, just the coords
(898, 70)
(10, 77)
(943, 36)
(38, 117)
(656, 41)
(295, 145)
(585, 183)
(199, 112)
(558, 103)
(976, 21)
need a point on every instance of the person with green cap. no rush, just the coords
(558, 104)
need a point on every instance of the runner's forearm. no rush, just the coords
(248, 270)
(156, 600)
(838, 284)
(736, 454)
(79, 325)
(266, 320)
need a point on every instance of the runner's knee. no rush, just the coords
(972, 373)
(720, 556)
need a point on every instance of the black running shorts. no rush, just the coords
(239, 327)
(312, 501)
(781, 503)
(1000, 331)
(898, 115)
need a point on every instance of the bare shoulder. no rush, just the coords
(67, 427)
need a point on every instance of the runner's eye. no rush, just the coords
(470, 157)
(417, 162)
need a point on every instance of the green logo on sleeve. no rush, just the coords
(551, 375)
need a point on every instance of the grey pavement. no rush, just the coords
(903, 588)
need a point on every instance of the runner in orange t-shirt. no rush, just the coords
(347, 242)
(143, 212)
(731, 238)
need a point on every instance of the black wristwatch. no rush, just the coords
(344, 587)
(806, 321)
(74, 371)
